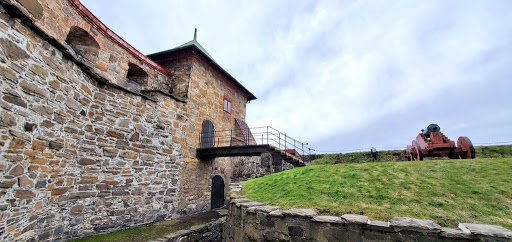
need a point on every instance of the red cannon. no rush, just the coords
(433, 143)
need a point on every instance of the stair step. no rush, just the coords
(292, 159)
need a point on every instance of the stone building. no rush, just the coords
(94, 135)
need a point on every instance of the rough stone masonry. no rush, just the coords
(95, 136)
(255, 221)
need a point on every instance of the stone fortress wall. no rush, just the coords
(95, 136)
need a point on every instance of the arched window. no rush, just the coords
(136, 74)
(207, 134)
(83, 43)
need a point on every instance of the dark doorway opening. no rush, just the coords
(207, 134)
(217, 192)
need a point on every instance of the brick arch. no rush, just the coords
(89, 29)
(84, 42)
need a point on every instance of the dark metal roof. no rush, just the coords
(195, 45)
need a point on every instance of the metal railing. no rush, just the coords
(265, 135)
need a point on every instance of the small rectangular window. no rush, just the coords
(227, 106)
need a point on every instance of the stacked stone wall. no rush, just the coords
(59, 23)
(180, 65)
(254, 221)
(83, 149)
(206, 91)
(79, 156)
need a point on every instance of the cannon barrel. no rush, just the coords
(431, 128)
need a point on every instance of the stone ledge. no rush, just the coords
(486, 230)
(178, 234)
(307, 213)
(240, 200)
(327, 219)
(412, 224)
(250, 210)
(249, 204)
(379, 225)
(276, 213)
(266, 209)
(456, 233)
(354, 219)
(197, 228)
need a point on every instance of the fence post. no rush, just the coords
(279, 138)
(284, 141)
(267, 136)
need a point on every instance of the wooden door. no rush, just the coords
(217, 192)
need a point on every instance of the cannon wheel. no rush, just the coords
(408, 154)
(465, 143)
(416, 151)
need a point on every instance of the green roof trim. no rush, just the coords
(197, 45)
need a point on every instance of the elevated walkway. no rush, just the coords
(249, 150)
(245, 141)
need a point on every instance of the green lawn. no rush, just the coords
(498, 151)
(359, 157)
(445, 191)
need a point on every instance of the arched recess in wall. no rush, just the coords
(83, 43)
(136, 74)
(207, 134)
(217, 196)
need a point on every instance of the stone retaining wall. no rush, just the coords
(253, 221)
(210, 232)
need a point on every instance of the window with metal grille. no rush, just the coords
(227, 105)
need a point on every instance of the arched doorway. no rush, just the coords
(207, 134)
(217, 192)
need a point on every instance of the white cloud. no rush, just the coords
(328, 71)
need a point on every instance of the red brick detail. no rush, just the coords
(102, 28)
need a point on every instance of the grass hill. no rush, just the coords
(501, 151)
(445, 191)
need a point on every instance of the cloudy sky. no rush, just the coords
(347, 75)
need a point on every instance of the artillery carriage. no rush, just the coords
(432, 143)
